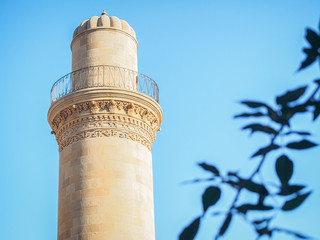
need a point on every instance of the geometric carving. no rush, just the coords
(106, 118)
(105, 133)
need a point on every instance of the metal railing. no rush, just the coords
(104, 76)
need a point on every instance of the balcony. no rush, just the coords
(104, 76)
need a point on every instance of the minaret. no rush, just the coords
(105, 116)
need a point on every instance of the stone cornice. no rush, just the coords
(109, 112)
(104, 93)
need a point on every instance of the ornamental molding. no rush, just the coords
(95, 133)
(104, 121)
(105, 118)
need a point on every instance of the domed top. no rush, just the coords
(104, 22)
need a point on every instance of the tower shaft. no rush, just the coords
(105, 116)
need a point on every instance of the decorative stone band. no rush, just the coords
(105, 118)
(105, 133)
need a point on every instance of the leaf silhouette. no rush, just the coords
(225, 225)
(313, 38)
(274, 116)
(317, 81)
(299, 133)
(300, 108)
(298, 235)
(311, 57)
(316, 111)
(291, 96)
(303, 144)
(253, 104)
(197, 180)
(313, 52)
(290, 189)
(256, 114)
(249, 207)
(256, 127)
(257, 222)
(295, 202)
(265, 150)
(253, 187)
(264, 231)
(210, 168)
(190, 231)
(284, 169)
(210, 197)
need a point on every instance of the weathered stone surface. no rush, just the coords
(105, 138)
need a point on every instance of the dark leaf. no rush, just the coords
(247, 184)
(301, 236)
(299, 133)
(233, 184)
(311, 57)
(317, 81)
(290, 189)
(225, 225)
(291, 96)
(264, 231)
(291, 232)
(265, 150)
(210, 197)
(233, 174)
(256, 127)
(190, 231)
(197, 180)
(253, 187)
(274, 116)
(316, 111)
(295, 202)
(209, 168)
(284, 169)
(257, 222)
(288, 112)
(309, 51)
(256, 114)
(313, 38)
(297, 109)
(304, 144)
(253, 104)
(248, 207)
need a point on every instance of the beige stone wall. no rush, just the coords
(105, 134)
(105, 190)
(105, 46)
(105, 140)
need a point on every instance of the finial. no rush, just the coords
(104, 13)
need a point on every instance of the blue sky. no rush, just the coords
(205, 57)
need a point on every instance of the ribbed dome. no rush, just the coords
(104, 22)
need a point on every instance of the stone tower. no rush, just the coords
(105, 116)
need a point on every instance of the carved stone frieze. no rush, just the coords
(94, 133)
(107, 118)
